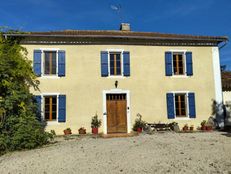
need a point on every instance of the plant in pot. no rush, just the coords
(203, 125)
(82, 130)
(209, 127)
(185, 128)
(139, 124)
(95, 124)
(174, 126)
(67, 131)
(191, 128)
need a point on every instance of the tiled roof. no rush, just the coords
(124, 34)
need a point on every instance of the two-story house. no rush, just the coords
(118, 74)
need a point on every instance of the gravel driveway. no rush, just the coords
(158, 153)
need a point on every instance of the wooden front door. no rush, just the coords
(116, 113)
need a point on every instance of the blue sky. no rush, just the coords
(198, 17)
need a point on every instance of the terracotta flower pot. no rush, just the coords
(185, 128)
(203, 127)
(139, 129)
(95, 130)
(67, 132)
(82, 131)
(209, 128)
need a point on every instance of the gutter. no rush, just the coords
(218, 39)
(225, 43)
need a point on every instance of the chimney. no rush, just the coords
(125, 27)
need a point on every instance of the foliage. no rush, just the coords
(95, 122)
(82, 130)
(203, 123)
(19, 127)
(139, 123)
(68, 129)
(174, 126)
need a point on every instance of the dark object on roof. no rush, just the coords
(226, 80)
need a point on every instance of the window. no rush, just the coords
(115, 64)
(50, 108)
(180, 105)
(50, 62)
(178, 64)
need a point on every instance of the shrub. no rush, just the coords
(25, 132)
(95, 122)
(19, 128)
(139, 123)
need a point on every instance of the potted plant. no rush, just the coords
(67, 131)
(174, 126)
(203, 125)
(95, 124)
(82, 130)
(185, 128)
(139, 124)
(191, 128)
(209, 127)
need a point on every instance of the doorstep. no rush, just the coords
(118, 135)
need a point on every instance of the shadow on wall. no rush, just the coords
(218, 113)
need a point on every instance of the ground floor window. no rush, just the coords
(180, 105)
(50, 108)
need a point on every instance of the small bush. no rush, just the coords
(139, 123)
(25, 132)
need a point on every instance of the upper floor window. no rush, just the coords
(115, 63)
(178, 63)
(49, 62)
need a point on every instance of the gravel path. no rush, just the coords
(158, 153)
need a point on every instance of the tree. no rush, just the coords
(19, 127)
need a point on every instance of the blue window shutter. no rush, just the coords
(170, 105)
(192, 107)
(168, 63)
(62, 108)
(61, 63)
(126, 63)
(38, 100)
(104, 63)
(189, 64)
(37, 62)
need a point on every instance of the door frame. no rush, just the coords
(116, 91)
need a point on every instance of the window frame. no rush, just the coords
(187, 105)
(50, 107)
(43, 75)
(120, 51)
(43, 107)
(185, 65)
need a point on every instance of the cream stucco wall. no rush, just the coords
(148, 85)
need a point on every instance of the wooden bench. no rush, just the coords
(159, 126)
